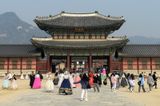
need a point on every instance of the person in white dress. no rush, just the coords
(49, 86)
(14, 83)
(22, 76)
(26, 76)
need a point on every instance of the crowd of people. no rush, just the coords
(67, 81)
(117, 80)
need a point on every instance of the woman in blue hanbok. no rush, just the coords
(66, 85)
(5, 83)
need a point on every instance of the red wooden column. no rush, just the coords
(85, 65)
(110, 63)
(49, 64)
(36, 63)
(68, 62)
(122, 65)
(138, 65)
(21, 65)
(151, 64)
(90, 62)
(7, 64)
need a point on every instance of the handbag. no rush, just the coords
(139, 82)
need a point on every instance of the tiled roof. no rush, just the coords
(18, 51)
(79, 20)
(86, 44)
(70, 22)
(141, 51)
(127, 51)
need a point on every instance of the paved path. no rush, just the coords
(42, 98)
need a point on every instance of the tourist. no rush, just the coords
(117, 79)
(113, 81)
(37, 81)
(99, 79)
(66, 85)
(26, 76)
(5, 83)
(91, 75)
(84, 85)
(60, 77)
(32, 77)
(13, 82)
(141, 83)
(128, 76)
(96, 85)
(22, 76)
(76, 79)
(9, 75)
(49, 86)
(150, 81)
(71, 79)
(155, 80)
(103, 74)
(124, 82)
(131, 82)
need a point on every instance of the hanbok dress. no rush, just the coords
(103, 74)
(22, 77)
(26, 77)
(49, 86)
(76, 79)
(5, 83)
(14, 83)
(66, 85)
(37, 82)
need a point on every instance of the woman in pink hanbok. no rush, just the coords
(37, 82)
(76, 79)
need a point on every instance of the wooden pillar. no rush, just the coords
(85, 65)
(110, 63)
(8, 64)
(68, 62)
(138, 65)
(122, 64)
(90, 62)
(49, 64)
(151, 64)
(21, 65)
(36, 63)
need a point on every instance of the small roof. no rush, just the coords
(81, 43)
(18, 51)
(80, 20)
(136, 50)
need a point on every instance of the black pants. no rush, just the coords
(139, 88)
(155, 84)
(96, 86)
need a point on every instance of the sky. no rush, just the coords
(142, 16)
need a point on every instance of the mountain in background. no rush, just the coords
(15, 31)
(143, 40)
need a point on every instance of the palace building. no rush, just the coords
(79, 41)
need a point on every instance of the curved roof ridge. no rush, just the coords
(80, 14)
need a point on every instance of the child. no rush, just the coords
(84, 84)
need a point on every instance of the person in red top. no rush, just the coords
(91, 78)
